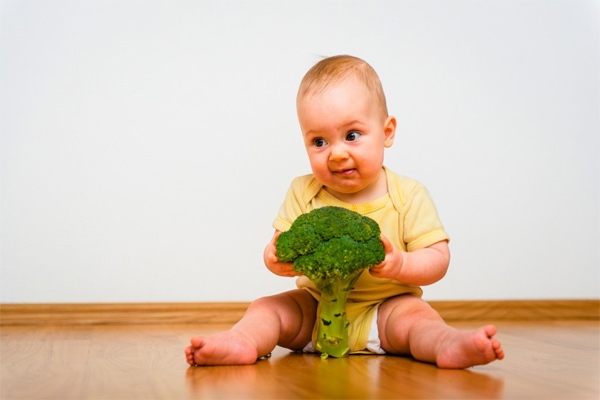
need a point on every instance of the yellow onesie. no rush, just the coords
(407, 217)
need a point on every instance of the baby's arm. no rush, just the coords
(273, 263)
(419, 267)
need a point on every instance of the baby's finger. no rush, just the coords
(376, 271)
(387, 245)
(287, 269)
(290, 273)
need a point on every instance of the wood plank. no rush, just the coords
(231, 312)
(544, 360)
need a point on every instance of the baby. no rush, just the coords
(345, 125)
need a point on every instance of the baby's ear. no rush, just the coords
(389, 130)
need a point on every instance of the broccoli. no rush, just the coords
(332, 246)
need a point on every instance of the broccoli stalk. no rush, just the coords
(333, 322)
(332, 246)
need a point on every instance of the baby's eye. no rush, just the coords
(352, 136)
(319, 142)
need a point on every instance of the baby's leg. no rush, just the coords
(286, 319)
(408, 325)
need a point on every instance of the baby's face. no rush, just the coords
(345, 133)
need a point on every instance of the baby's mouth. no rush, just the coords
(345, 172)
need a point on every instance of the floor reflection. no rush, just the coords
(290, 375)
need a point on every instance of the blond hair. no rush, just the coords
(334, 69)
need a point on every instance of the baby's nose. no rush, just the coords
(338, 152)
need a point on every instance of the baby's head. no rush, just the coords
(338, 68)
(346, 127)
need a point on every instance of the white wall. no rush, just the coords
(147, 145)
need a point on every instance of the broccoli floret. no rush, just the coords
(332, 246)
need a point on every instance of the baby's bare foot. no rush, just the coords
(225, 348)
(468, 348)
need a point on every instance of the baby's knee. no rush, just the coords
(263, 302)
(407, 306)
(295, 301)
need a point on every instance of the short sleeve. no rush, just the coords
(420, 220)
(301, 190)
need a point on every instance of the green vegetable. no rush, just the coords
(332, 246)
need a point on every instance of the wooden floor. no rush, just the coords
(545, 360)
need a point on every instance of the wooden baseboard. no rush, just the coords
(518, 310)
(231, 312)
(121, 313)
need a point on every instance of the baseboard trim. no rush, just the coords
(231, 312)
(518, 310)
(121, 313)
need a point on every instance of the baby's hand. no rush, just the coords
(392, 263)
(273, 263)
